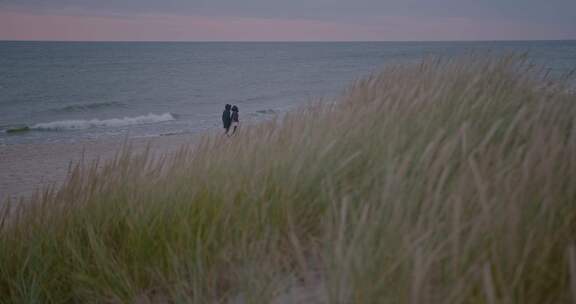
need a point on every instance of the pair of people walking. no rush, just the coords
(230, 119)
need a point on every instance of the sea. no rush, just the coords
(63, 92)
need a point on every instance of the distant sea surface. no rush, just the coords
(68, 92)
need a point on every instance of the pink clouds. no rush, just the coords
(27, 26)
(168, 27)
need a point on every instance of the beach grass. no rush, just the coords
(443, 181)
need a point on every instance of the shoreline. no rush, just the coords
(26, 168)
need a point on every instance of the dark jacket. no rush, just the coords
(226, 119)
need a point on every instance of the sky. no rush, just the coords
(289, 20)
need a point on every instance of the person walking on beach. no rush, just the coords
(226, 119)
(235, 119)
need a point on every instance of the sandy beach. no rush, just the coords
(25, 168)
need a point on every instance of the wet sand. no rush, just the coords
(25, 168)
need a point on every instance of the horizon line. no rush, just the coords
(282, 41)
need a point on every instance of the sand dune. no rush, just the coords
(25, 168)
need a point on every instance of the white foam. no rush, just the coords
(97, 123)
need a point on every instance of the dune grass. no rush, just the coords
(446, 181)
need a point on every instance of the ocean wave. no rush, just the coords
(266, 112)
(89, 106)
(98, 123)
(263, 113)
